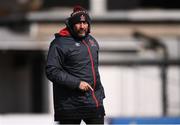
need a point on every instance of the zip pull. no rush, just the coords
(91, 88)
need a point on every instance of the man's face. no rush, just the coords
(81, 28)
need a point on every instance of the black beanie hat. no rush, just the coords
(79, 14)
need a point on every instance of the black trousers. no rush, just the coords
(78, 121)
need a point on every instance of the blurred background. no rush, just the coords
(139, 58)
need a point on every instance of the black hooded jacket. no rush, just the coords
(70, 61)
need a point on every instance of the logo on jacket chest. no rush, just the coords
(77, 44)
(92, 43)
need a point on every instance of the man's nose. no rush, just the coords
(82, 25)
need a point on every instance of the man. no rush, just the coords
(72, 66)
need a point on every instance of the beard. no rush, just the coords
(81, 32)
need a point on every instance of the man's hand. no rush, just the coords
(84, 86)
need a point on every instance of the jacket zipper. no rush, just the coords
(93, 72)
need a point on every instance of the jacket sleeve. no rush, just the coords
(54, 68)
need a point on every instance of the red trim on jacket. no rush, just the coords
(93, 72)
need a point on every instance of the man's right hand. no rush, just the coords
(84, 86)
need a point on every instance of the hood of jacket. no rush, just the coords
(64, 32)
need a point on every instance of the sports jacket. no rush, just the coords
(70, 61)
